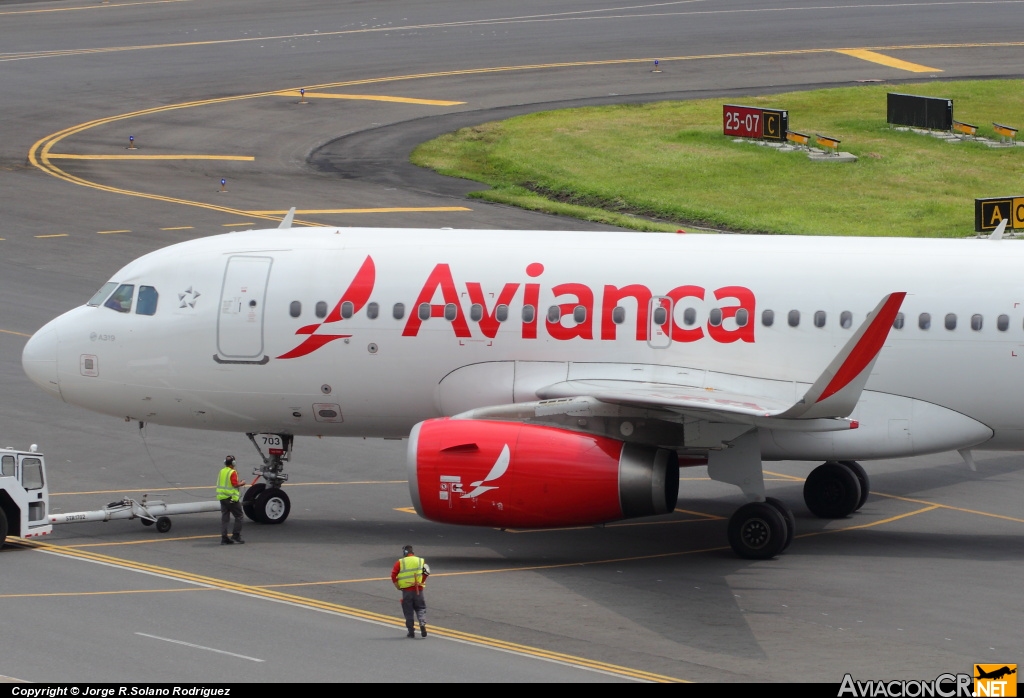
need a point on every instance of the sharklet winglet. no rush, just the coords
(836, 391)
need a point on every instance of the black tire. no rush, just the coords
(249, 501)
(3, 527)
(272, 506)
(163, 524)
(862, 477)
(757, 531)
(832, 491)
(787, 515)
(147, 522)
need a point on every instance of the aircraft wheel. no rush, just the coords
(862, 477)
(249, 501)
(787, 514)
(272, 506)
(163, 524)
(757, 531)
(832, 491)
(147, 522)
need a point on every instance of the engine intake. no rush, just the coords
(513, 475)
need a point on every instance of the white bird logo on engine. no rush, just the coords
(497, 470)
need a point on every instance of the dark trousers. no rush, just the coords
(414, 601)
(227, 510)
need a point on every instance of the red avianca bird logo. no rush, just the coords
(358, 293)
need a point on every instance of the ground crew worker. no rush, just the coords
(227, 492)
(409, 576)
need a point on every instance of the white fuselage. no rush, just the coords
(237, 341)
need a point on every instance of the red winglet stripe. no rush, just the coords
(867, 348)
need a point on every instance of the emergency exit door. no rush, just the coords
(241, 315)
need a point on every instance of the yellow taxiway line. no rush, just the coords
(347, 611)
(75, 156)
(371, 98)
(16, 334)
(399, 209)
(104, 6)
(875, 57)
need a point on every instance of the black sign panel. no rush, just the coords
(989, 213)
(923, 112)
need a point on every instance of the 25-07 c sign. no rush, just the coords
(755, 122)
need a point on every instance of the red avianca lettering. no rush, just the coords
(441, 296)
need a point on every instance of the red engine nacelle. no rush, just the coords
(504, 474)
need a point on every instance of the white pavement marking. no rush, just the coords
(200, 647)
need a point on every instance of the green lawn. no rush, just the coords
(666, 165)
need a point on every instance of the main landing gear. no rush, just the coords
(764, 528)
(836, 489)
(265, 502)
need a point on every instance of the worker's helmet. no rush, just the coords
(229, 460)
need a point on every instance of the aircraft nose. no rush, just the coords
(39, 360)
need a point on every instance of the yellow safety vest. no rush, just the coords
(410, 572)
(225, 490)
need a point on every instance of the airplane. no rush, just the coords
(548, 379)
(995, 674)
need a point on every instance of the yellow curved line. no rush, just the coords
(40, 153)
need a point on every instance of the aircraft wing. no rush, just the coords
(824, 406)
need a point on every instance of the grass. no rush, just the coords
(667, 165)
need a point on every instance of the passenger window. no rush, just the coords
(899, 321)
(819, 318)
(321, 309)
(976, 322)
(554, 314)
(295, 309)
(794, 318)
(501, 312)
(102, 294)
(476, 312)
(689, 316)
(424, 311)
(924, 321)
(846, 319)
(372, 311)
(398, 312)
(715, 317)
(951, 321)
(147, 301)
(742, 317)
(579, 314)
(618, 315)
(529, 313)
(8, 466)
(660, 316)
(1003, 323)
(768, 318)
(450, 312)
(121, 301)
(347, 309)
(32, 474)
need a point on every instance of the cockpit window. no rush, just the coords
(121, 301)
(102, 294)
(147, 301)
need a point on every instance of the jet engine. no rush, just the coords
(513, 475)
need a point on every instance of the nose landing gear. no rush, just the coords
(265, 502)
